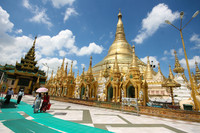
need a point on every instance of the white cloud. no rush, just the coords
(17, 49)
(69, 12)
(61, 3)
(26, 4)
(62, 53)
(154, 20)
(171, 52)
(163, 58)
(13, 48)
(40, 15)
(196, 39)
(151, 58)
(19, 31)
(5, 24)
(83, 65)
(54, 63)
(190, 61)
(92, 48)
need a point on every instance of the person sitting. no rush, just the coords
(45, 103)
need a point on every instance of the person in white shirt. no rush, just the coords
(8, 95)
(20, 95)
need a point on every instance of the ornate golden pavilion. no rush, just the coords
(120, 59)
(25, 75)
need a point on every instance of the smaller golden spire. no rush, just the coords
(62, 66)
(178, 68)
(159, 68)
(83, 74)
(90, 67)
(148, 71)
(70, 71)
(170, 73)
(134, 61)
(66, 69)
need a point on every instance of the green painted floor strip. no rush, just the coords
(42, 122)
(27, 126)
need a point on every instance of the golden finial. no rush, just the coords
(178, 68)
(90, 66)
(159, 68)
(120, 14)
(170, 73)
(148, 71)
(70, 71)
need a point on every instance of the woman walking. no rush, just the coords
(8, 95)
(45, 103)
(37, 102)
(19, 96)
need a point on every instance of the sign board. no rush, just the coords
(130, 102)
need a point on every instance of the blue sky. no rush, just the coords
(78, 29)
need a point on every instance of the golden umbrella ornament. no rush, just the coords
(170, 83)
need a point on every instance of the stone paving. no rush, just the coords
(112, 120)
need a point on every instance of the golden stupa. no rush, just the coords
(123, 49)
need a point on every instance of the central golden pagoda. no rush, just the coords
(123, 49)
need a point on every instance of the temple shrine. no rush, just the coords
(25, 75)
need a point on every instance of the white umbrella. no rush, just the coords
(42, 89)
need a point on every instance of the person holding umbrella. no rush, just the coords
(45, 103)
(37, 102)
(38, 98)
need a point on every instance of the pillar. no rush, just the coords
(15, 85)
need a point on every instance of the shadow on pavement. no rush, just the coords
(10, 105)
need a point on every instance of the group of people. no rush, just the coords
(10, 93)
(36, 105)
(45, 103)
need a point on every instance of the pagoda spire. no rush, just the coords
(70, 71)
(178, 68)
(134, 60)
(148, 71)
(62, 66)
(83, 74)
(66, 69)
(90, 67)
(120, 43)
(170, 73)
(120, 35)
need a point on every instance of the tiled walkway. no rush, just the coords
(62, 116)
